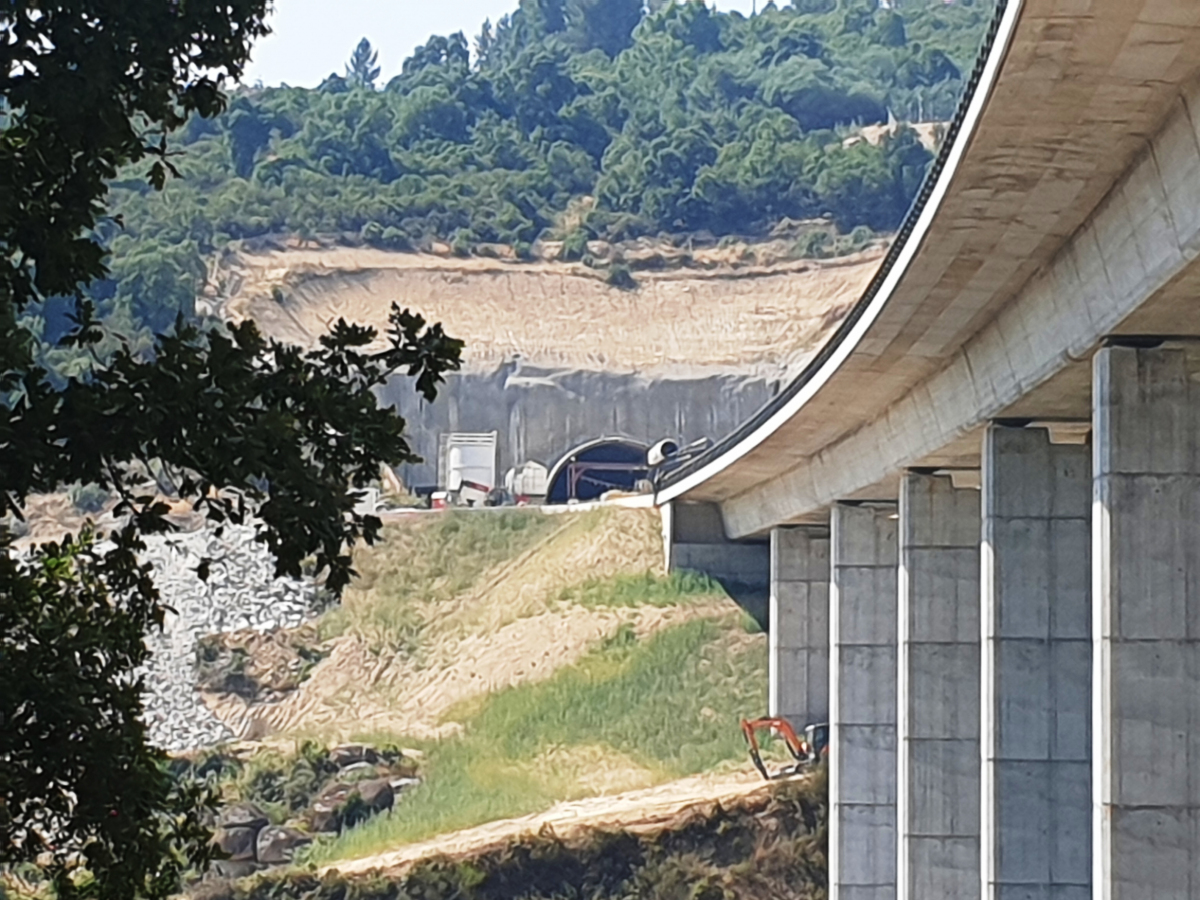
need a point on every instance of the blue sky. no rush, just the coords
(315, 37)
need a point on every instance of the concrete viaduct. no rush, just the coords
(982, 498)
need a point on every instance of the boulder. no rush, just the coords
(276, 845)
(228, 868)
(325, 814)
(346, 755)
(344, 805)
(322, 818)
(242, 815)
(359, 770)
(239, 844)
(378, 794)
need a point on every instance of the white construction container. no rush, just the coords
(529, 480)
(466, 461)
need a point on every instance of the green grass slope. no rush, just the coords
(632, 714)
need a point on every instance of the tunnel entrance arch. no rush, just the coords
(594, 468)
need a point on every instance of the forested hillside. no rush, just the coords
(569, 119)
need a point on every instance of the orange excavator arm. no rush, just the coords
(800, 748)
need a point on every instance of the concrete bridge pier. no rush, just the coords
(1146, 688)
(799, 625)
(1037, 663)
(938, 724)
(862, 749)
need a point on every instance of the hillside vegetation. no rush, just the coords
(569, 119)
(531, 659)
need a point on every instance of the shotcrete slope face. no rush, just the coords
(555, 315)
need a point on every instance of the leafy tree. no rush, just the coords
(334, 84)
(443, 53)
(690, 22)
(889, 29)
(78, 777)
(361, 70)
(605, 25)
(242, 425)
(544, 17)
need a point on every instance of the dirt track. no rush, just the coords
(636, 811)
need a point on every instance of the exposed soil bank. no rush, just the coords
(555, 355)
(556, 315)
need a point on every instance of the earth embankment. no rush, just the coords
(728, 315)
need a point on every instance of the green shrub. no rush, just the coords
(620, 277)
(460, 243)
(575, 245)
(816, 244)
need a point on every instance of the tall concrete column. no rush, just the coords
(1146, 582)
(799, 628)
(1037, 665)
(862, 749)
(938, 789)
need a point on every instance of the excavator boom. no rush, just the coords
(806, 751)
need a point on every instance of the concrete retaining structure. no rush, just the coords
(543, 413)
(695, 541)
(862, 750)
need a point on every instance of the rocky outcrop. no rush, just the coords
(343, 787)
(276, 845)
(343, 805)
(246, 838)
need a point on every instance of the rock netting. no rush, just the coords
(240, 594)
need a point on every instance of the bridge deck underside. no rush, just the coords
(1069, 177)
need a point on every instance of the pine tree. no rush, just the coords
(361, 71)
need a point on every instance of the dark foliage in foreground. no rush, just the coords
(231, 422)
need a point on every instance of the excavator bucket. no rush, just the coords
(805, 751)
